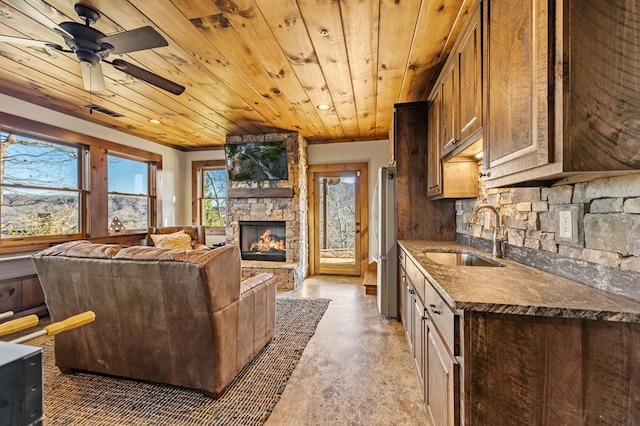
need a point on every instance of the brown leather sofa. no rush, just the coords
(181, 317)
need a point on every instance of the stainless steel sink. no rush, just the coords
(461, 259)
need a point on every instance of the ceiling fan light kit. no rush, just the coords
(92, 46)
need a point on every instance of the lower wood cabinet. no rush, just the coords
(481, 368)
(405, 305)
(441, 379)
(423, 312)
(551, 371)
(418, 334)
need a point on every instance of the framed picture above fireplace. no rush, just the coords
(257, 161)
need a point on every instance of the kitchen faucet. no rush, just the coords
(496, 225)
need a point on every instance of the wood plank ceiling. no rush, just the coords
(249, 66)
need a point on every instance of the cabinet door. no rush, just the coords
(470, 76)
(404, 297)
(418, 338)
(434, 163)
(441, 380)
(448, 113)
(407, 314)
(518, 118)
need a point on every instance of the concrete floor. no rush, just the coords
(356, 369)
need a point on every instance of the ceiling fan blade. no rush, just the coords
(147, 76)
(92, 77)
(130, 41)
(29, 42)
(36, 15)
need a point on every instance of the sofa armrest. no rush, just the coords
(254, 282)
(256, 315)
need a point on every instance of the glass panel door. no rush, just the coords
(337, 228)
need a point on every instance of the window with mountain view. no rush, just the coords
(128, 187)
(214, 194)
(40, 191)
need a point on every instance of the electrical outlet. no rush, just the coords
(568, 223)
(565, 226)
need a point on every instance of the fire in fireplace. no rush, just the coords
(263, 240)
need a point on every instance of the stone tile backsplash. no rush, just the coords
(606, 232)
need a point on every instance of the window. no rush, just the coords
(40, 190)
(210, 191)
(214, 197)
(57, 185)
(128, 188)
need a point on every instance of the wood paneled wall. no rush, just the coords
(419, 218)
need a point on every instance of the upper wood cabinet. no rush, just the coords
(518, 123)
(455, 118)
(434, 162)
(561, 89)
(470, 80)
(449, 109)
(460, 86)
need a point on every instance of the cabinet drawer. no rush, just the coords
(442, 317)
(416, 277)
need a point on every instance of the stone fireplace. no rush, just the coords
(274, 202)
(263, 240)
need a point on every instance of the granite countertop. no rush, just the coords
(516, 288)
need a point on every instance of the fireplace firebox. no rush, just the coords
(263, 240)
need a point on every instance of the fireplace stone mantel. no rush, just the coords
(260, 192)
(280, 200)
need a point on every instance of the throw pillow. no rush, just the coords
(177, 240)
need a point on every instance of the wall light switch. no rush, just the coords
(565, 227)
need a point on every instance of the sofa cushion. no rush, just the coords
(177, 240)
(83, 248)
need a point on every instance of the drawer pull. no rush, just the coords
(434, 310)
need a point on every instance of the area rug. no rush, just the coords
(90, 399)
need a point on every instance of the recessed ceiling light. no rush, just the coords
(155, 121)
(323, 107)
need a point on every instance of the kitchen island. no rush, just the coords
(504, 343)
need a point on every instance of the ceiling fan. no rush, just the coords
(92, 46)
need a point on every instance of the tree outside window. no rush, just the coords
(214, 197)
(338, 195)
(40, 193)
(128, 188)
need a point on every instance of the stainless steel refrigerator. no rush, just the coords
(386, 256)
